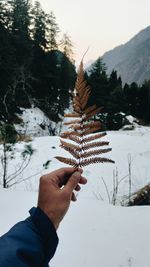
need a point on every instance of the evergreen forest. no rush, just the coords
(37, 68)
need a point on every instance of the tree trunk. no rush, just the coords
(5, 166)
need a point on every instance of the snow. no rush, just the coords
(131, 119)
(93, 233)
(32, 119)
(36, 123)
(96, 234)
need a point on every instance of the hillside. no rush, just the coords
(92, 229)
(34, 122)
(131, 60)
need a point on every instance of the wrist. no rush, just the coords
(51, 216)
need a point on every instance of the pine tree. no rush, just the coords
(20, 30)
(20, 18)
(7, 60)
(99, 83)
(117, 101)
(98, 69)
(67, 80)
(67, 71)
(67, 47)
(39, 26)
(131, 94)
(5, 14)
(2, 13)
(114, 81)
(52, 31)
(143, 108)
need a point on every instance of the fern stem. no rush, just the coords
(82, 138)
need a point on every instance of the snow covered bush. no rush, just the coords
(8, 138)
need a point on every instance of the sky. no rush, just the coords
(100, 25)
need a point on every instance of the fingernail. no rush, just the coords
(77, 175)
(80, 170)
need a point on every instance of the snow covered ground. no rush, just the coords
(93, 233)
(36, 123)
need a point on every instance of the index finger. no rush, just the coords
(66, 171)
(62, 175)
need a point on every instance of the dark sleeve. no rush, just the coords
(32, 242)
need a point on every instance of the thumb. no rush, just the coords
(73, 181)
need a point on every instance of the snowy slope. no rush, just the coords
(125, 144)
(36, 123)
(94, 233)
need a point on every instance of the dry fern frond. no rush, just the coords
(72, 122)
(90, 109)
(82, 128)
(73, 152)
(94, 152)
(65, 144)
(68, 161)
(92, 113)
(72, 115)
(95, 144)
(86, 126)
(93, 137)
(92, 130)
(95, 160)
(74, 138)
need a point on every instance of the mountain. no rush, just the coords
(88, 63)
(131, 60)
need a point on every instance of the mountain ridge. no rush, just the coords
(132, 59)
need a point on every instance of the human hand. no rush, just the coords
(56, 192)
